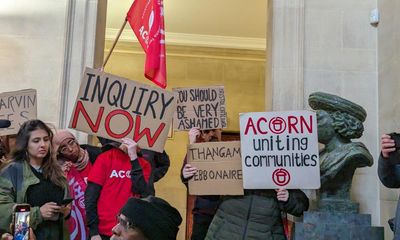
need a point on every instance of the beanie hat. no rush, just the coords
(154, 217)
(59, 137)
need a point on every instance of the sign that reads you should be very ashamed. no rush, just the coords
(201, 107)
(219, 168)
(17, 107)
(114, 107)
(280, 149)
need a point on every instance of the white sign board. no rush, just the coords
(280, 150)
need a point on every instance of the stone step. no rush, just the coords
(338, 218)
(305, 231)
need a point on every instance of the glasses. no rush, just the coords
(124, 223)
(64, 149)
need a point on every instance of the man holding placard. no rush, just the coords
(205, 206)
(275, 150)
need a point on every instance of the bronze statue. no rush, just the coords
(339, 121)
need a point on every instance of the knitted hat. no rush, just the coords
(59, 137)
(154, 217)
(333, 103)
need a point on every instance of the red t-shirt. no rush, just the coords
(111, 171)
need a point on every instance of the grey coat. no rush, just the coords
(255, 216)
(389, 174)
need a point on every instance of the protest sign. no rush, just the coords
(219, 168)
(201, 107)
(17, 107)
(114, 107)
(280, 149)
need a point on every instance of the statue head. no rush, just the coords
(337, 116)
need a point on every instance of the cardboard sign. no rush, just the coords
(114, 107)
(280, 150)
(219, 168)
(202, 107)
(18, 107)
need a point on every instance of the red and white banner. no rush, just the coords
(76, 223)
(146, 18)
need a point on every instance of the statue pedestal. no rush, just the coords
(337, 205)
(318, 225)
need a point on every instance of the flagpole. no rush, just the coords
(114, 44)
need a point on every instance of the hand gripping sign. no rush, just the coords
(280, 149)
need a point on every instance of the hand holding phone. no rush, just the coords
(66, 207)
(50, 211)
(21, 217)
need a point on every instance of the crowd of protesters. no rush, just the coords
(79, 191)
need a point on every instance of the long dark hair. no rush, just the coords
(51, 170)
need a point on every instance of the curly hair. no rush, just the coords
(346, 125)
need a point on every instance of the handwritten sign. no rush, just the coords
(219, 168)
(280, 149)
(202, 107)
(17, 107)
(114, 107)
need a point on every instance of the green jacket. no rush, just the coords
(255, 216)
(14, 182)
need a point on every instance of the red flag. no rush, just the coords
(146, 18)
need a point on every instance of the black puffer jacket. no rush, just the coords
(255, 216)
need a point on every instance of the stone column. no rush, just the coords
(84, 47)
(287, 54)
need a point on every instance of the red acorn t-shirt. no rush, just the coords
(111, 171)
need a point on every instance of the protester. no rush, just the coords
(5, 144)
(155, 165)
(257, 215)
(389, 172)
(34, 177)
(76, 161)
(148, 218)
(70, 153)
(110, 184)
(204, 206)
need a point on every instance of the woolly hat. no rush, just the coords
(333, 103)
(154, 217)
(59, 137)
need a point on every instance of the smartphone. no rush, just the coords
(20, 226)
(66, 201)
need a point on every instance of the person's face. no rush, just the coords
(212, 135)
(325, 127)
(122, 231)
(38, 144)
(69, 149)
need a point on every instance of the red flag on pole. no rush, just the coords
(146, 18)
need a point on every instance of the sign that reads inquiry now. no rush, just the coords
(114, 107)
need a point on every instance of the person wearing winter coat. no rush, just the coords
(33, 177)
(389, 174)
(257, 215)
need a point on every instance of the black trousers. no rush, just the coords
(199, 231)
